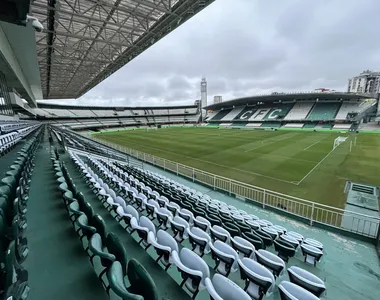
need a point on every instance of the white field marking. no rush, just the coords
(286, 157)
(316, 166)
(265, 144)
(313, 144)
(219, 165)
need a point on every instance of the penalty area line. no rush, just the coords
(316, 166)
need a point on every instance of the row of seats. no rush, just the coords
(106, 253)
(143, 224)
(7, 126)
(9, 140)
(14, 188)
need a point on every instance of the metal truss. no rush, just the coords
(85, 41)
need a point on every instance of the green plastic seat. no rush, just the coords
(141, 282)
(115, 246)
(74, 211)
(142, 285)
(97, 248)
(84, 229)
(16, 277)
(100, 226)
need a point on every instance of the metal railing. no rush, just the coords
(311, 212)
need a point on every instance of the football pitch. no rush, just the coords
(301, 164)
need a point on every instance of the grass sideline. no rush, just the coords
(298, 163)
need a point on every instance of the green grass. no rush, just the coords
(297, 163)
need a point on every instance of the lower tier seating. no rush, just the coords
(173, 219)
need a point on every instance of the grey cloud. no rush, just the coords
(246, 47)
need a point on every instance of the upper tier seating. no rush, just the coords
(324, 111)
(299, 111)
(220, 115)
(346, 108)
(233, 113)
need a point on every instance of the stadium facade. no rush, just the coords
(78, 216)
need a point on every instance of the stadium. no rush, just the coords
(264, 197)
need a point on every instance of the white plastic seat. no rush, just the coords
(270, 261)
(306, 280)
(291, 240)
(202, 223)
(173, 208)
(253, 224)
(297, 236)
(222, 288)
(193, 268)
(187, 215)
(141, 201)
(143, 227)
(162, 201)
(243, 247)
(280, 229)
(127, 214)
(164, 244)
(179, 227)
(271, 231)
(312, 254)
(313, 243)
(291, 291)
(258, 280)
(163, 216)
(219, 233)
(199, 240)
(151, 206)
(225, 257)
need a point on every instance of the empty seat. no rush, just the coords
(243, 247)
(143, 227)
(179, 227)
(164, 244)
(225, 257)
(199, 240)
(271, 261)
(194, 270)
(140, 282)
(291, 291)
(258, 279)
(222, 288)
(219, 233)
(306, 280)
(312, 254)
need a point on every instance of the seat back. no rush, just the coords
(115, 247)
(141, 282)
(116, 283)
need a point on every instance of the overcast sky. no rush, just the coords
(247, 47)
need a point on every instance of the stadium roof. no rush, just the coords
(288, 97)
(85, 41)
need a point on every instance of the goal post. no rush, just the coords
(338, 141)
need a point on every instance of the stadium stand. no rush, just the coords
(299, 111)
(98, 118)
(294, 110)
(323, 111)
(232, 114)
(220, 115)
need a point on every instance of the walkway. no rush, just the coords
(58, 266)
